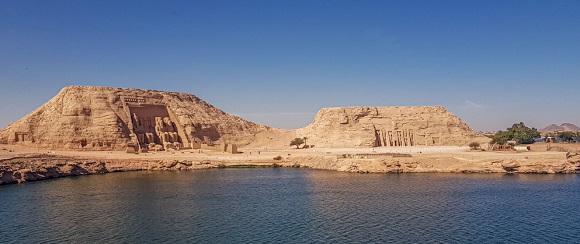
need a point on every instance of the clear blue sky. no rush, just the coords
(492, 63)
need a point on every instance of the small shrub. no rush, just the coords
(474, 145)
(278, 157)
(297, 142)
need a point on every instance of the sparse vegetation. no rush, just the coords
(568, 136)
(474, 146)
(564, 136)
(518, 132)
(297, 142)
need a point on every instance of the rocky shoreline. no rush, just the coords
(442, 165)
(42, 166)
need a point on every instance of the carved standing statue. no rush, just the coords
(138, 129)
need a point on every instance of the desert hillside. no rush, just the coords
(388, 126)
(103, 118)
(557, 128)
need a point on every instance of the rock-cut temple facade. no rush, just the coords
(104, 118)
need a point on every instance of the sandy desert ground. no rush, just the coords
(21, 164)
(256, 155)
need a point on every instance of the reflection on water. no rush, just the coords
(292, 206)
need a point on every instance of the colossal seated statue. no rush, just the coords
(165, 131)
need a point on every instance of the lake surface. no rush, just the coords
(281, 205)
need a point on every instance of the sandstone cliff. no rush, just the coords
(388, 126)
(103, 118)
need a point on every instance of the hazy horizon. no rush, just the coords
(491, 63)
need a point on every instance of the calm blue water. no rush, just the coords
(292, 206)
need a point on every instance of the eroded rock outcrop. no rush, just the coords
(103, 118)
(442, 164)
(42, 167)
(388, 126)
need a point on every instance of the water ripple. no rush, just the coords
(292, 206)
